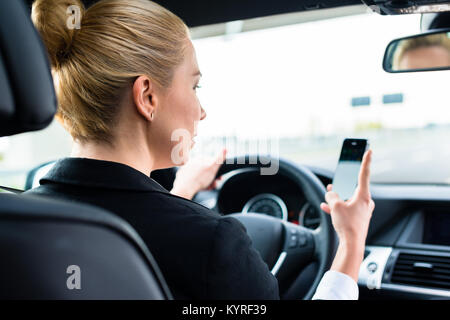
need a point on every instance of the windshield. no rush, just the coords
(304, 88)
(311, 85)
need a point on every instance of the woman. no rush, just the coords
(126, 83)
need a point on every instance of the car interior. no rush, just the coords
(407, 254)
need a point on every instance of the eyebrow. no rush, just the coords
(197, 73)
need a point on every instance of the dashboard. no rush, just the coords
(408, 244)
(246, 190)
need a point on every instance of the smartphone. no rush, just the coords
(346, 175)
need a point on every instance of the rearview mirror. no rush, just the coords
(422, 52)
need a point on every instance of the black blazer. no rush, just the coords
(201, 254)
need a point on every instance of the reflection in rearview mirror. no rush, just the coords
(423, 52)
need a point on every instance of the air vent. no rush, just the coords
(422, 270)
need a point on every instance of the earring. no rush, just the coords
(151, 116)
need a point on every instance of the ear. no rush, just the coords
(144, 97)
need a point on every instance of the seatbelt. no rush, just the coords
(12, 190)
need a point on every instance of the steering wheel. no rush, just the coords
(294, 253)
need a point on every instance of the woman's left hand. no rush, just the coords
(196, 175)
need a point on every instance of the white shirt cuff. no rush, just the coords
(336, 286)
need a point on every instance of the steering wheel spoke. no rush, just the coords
(288, 248)
(297, 250)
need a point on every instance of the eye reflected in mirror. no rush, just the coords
(423, 52)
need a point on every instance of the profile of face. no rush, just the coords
(176, 112)
(425, 57)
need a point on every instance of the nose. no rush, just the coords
(203, 113)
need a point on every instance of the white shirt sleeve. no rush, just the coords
(336, 286)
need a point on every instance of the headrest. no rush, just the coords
(27, 95)
(431, 21)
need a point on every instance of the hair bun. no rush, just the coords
(57, 22)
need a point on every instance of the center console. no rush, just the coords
(418, 263)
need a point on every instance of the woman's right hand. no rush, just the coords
(351, 220)
(198, 174)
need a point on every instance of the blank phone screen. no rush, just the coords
(345, 178)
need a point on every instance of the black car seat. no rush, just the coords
(54, 249)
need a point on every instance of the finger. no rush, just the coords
(364, 174)
(219, 159)
(325, 207)
(215, 163)
(221, 156)
(329, 187)
(217, 182)
(332, 198)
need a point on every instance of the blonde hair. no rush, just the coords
(440, 40)
(117, 41)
